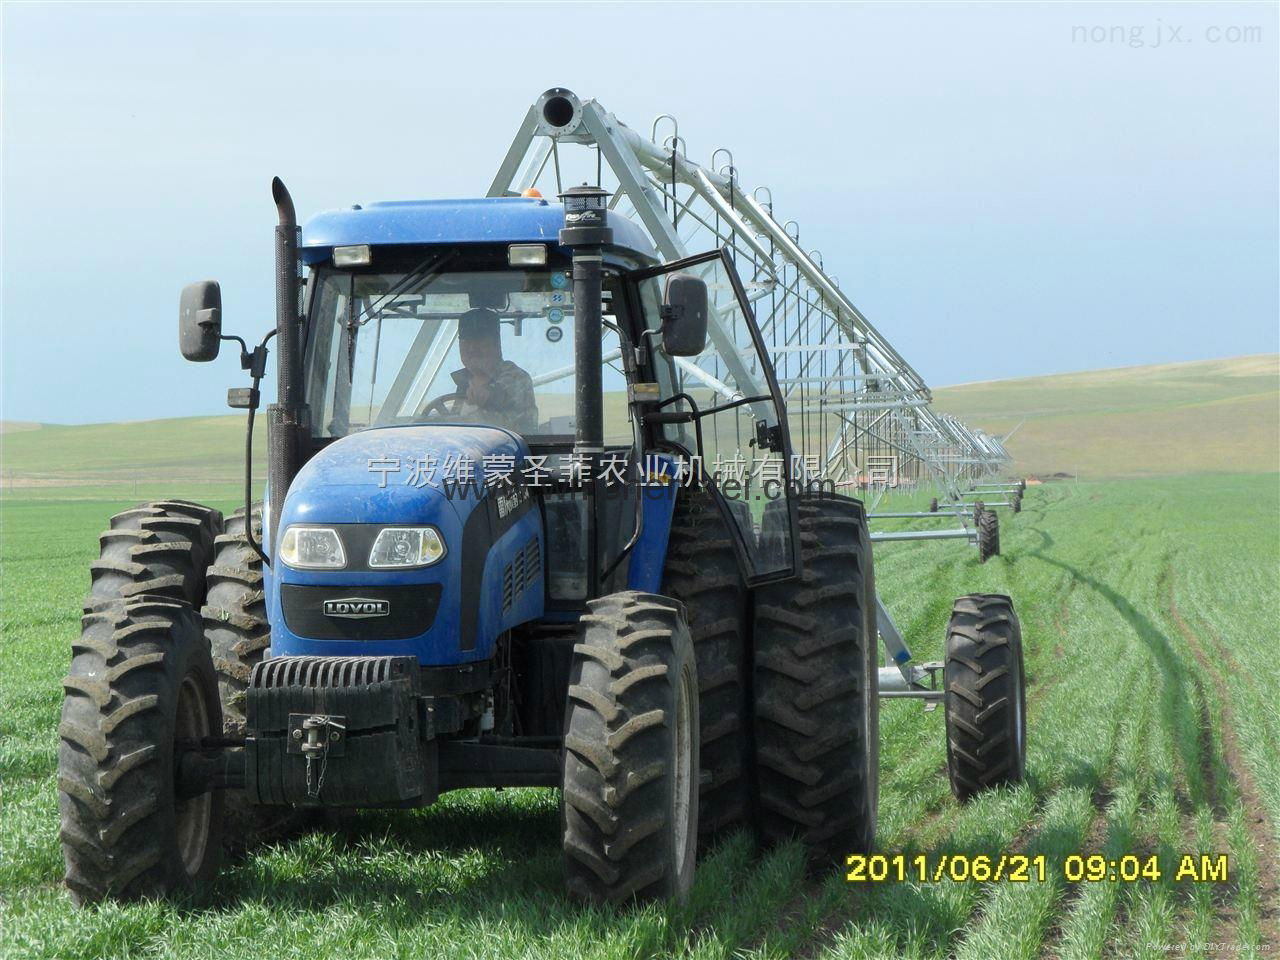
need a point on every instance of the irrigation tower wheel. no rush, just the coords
(988, 525)
(985, 700)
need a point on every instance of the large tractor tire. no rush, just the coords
(986, 699)
(141, 681)
(988, 525)
(1016, 503)
(159, 548)
(702, 573)
(235, 615)
(239, 635)
(630, 800)
(815, 689)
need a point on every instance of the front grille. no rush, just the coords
(413, 610)
(332, 671)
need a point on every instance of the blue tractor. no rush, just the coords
(511, 536)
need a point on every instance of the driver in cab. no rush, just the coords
(490, 389)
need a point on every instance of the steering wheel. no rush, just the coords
(441, 402)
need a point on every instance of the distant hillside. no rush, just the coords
(1210, 416)
(184, 449)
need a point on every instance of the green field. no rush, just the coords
(1150, 603)
(1150, 614)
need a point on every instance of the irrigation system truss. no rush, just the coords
(860, 415)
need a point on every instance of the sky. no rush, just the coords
(1005, 190)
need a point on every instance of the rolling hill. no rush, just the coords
(1210, 416)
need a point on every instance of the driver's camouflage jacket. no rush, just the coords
(511, 401)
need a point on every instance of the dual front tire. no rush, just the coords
(173, 623)
(141, 687)
(630, 778)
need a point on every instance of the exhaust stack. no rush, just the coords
(287, 419)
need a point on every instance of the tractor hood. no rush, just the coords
(448, 612)
(401, 475)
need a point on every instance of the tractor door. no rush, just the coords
(730, 415)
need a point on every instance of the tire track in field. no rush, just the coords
(1257, 823)
(1100, 828)
(1193, 757)
(1145, 632)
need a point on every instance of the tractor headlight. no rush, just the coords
(406, 547)
(312, 548)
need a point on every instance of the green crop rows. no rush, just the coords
(1150, 614)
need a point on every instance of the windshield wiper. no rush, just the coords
(425, 271)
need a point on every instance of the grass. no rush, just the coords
(1149, 613)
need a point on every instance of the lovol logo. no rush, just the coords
(357, 608)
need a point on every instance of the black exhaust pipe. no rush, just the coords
(287, 418)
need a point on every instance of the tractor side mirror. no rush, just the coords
(200, 321)
(684, 316)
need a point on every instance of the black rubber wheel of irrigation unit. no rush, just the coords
(141, 679)
(816, 691)
(1016, 502)
(702, 573)
(239, 635)
(933, 505)
(159, 548)
(986, 699)
(988, 526)
(629, 809)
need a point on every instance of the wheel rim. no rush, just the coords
(871, 733)
(684, 766)
(1019, 723)
(192, 816)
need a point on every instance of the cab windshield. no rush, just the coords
(452, 339)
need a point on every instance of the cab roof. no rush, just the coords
(479, 220)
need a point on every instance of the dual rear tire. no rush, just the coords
(816, 697)
(702, 573)
(813, 745)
